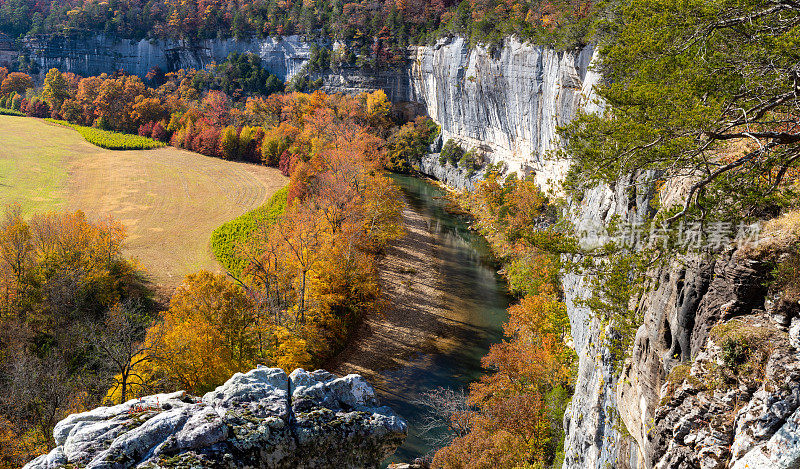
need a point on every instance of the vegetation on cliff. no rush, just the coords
(370, 33)
(700, 90)
(700, 131)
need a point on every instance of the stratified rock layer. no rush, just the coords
(507, 103)
(714, 417)
(262, 418)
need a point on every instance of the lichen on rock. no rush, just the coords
(262, 418)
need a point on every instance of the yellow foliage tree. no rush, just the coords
(210, 332)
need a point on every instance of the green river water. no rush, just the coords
(479, 295)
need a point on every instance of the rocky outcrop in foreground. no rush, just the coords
(262, 418)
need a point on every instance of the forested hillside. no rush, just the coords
(381, 29)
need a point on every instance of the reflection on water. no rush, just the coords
(473, 289)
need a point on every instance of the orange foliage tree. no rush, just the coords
(519, 404)
(59, 275)
(310, 276)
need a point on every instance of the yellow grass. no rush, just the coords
(170, 200)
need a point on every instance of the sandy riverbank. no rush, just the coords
(416, 318)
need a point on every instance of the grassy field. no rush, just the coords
(170, 200)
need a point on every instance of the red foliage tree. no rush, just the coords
(159, 132)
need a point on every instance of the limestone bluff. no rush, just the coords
(262, 418)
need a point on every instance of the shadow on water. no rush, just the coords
(472, 288)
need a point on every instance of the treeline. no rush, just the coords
(187, 112)
(513, 414)
(375, 33)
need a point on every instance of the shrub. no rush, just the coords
(159, 132)
(451, 153)
(111, 140)
(735, 351)
(10, 112)
(745, 346)
(146, 130)
(38, 108)
(229, 143)
(226, 238)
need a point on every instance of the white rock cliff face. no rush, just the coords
(508, 103)
(89, 56)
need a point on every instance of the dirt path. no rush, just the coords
(415, 319)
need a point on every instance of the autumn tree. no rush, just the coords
(59, 275)
(210, 332)
(55, 89)
(19, 445)
(378, 108)
(517, 407)
(119, 342)
(410, 143)
(16, 82)
(229, 143)
(146, 110)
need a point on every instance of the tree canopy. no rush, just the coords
(375, 32)
(701, 90)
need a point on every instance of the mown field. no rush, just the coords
(170, 200)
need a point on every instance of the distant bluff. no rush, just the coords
(262, 418)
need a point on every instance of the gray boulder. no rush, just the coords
(262, 418)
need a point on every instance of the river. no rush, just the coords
(473, 295)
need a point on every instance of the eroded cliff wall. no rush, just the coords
(93, 55)
(508, 102)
